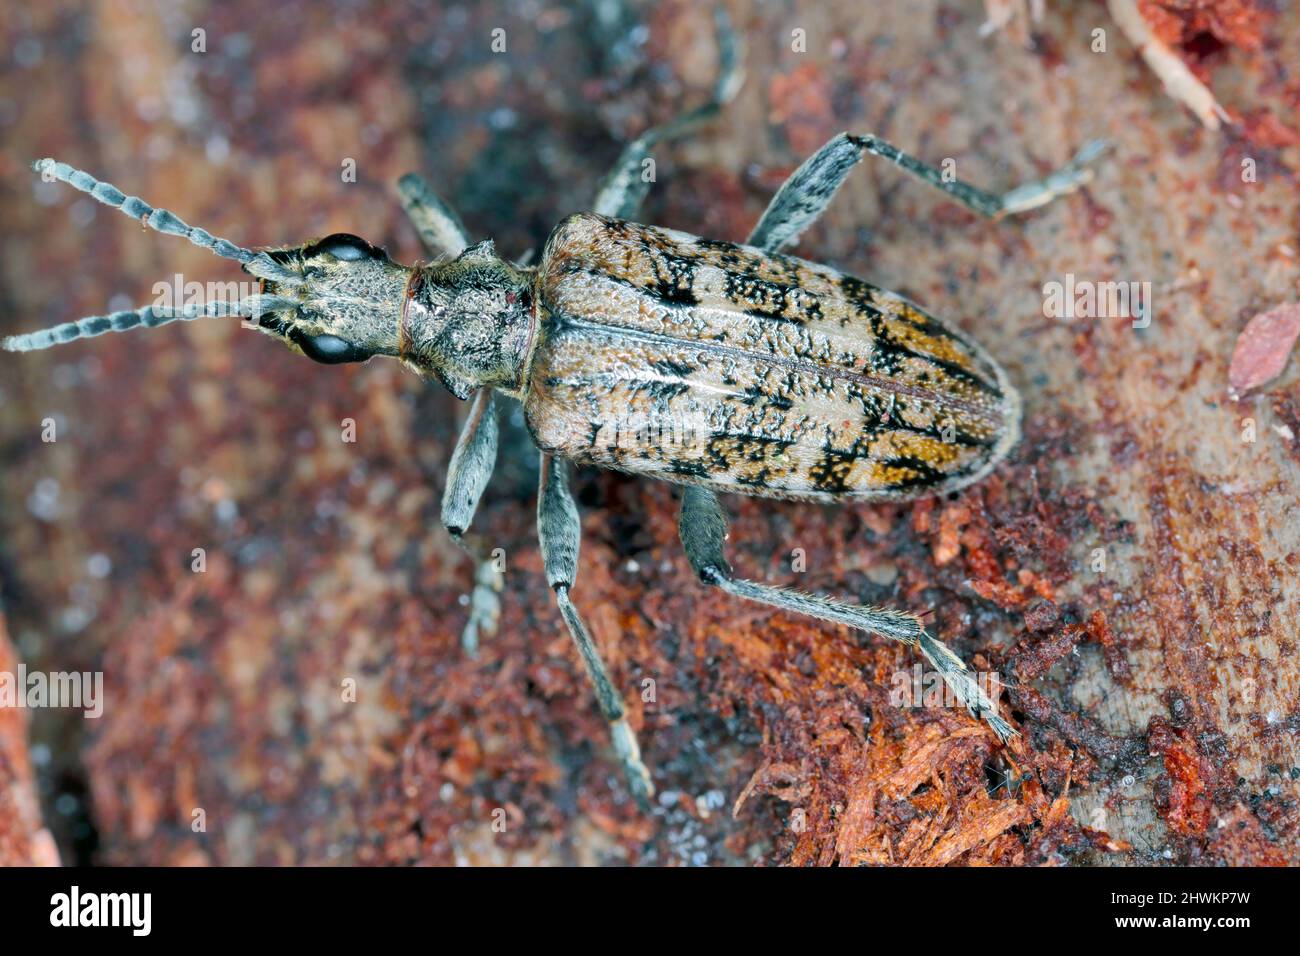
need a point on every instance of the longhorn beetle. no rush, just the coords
(712, 365)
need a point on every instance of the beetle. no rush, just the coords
(720, 367)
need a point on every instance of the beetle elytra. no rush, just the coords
(713, 365)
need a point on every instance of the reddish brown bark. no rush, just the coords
(1157, 697)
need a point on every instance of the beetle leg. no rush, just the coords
(806, 194)
(559, 531)
(703, 530)
(439, 227)
(467, 476)
(626, 185)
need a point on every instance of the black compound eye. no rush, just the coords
(330, 349)
(346, 248)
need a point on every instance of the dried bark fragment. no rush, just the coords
(1264, 347)
(1186, 798)
(1178, 79)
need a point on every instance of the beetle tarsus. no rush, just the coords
(1055, 184)
(964, 686)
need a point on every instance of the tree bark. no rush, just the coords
(1131, 570)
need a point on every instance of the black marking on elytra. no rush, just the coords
(831, 472)
(789, 267)
(923, 475)
(955, 371)
(674, 279)
(863, 296)
(688, 468)
(765, 299)
(726, 254)
(719, 456)
(859, 293)
(759, 478)
(888, 354)
(758, 396)
(879, 420)
(667, 366)
(727, 449)
(658, 390)
(763, 447)
(661, 288)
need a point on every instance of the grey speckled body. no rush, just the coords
(714, 365)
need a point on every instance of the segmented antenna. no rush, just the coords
(149, 317)
(160, 220)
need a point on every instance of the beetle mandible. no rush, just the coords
(713, 365)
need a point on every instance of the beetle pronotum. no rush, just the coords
(717, 366)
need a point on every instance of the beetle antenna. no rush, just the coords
(148, 317)
(256, 262)
(159, 220)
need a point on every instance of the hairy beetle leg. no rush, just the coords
(703, 530)
(625, 186)
(809, 190)
(559, 532)
(467, 476)
(439, 227)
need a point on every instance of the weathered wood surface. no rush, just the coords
(1158, 699)
(24, 841)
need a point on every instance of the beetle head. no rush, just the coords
(340, 299)
(335, 300)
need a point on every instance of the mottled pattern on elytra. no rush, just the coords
(700, 361)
